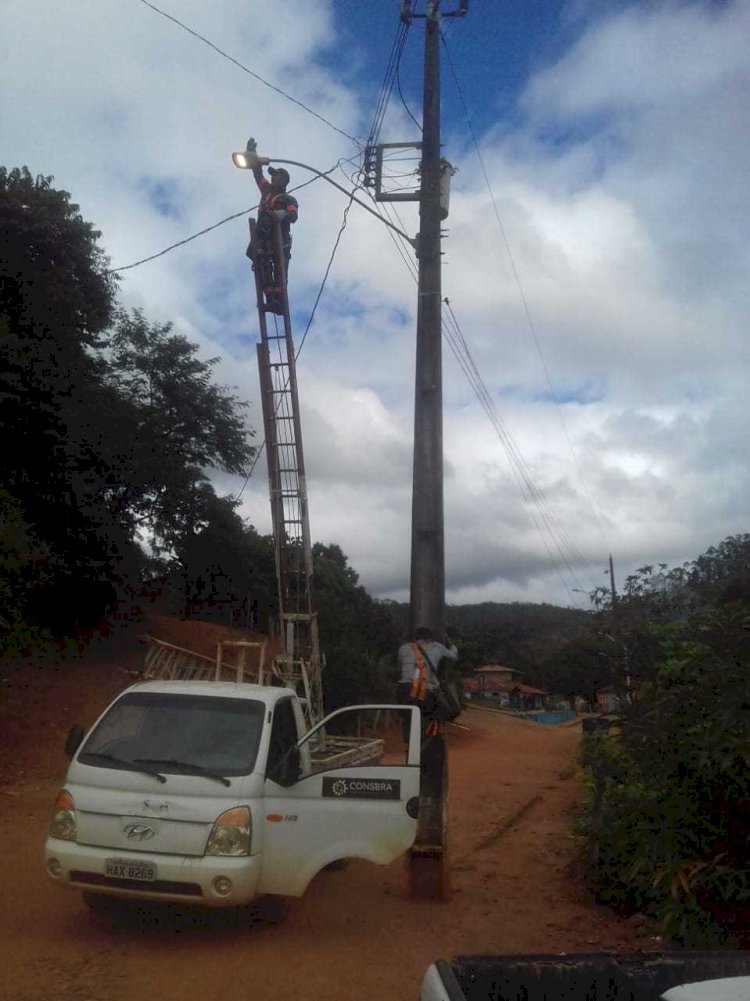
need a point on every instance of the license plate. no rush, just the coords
(122, 869)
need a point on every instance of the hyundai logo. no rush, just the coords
(139, 832)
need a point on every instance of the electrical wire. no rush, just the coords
(387, 85)
(398, 85)
(542, 526)
(181, 243)
(566, 549)
(202, 232)
(250, 72)
(522, 294)
(542, 517)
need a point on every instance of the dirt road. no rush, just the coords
(513, 787)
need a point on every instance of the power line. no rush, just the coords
(250, 72)
(545, 521)
(229, 218)
(398, 85)
(524, 300)
(529, 489)
(387, 85)
(377, 121)
(181, 243)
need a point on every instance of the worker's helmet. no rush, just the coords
(279, 175)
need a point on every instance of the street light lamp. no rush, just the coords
(248, 159)
(241, 160)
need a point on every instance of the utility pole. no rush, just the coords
(615, 622)
(427, 575)
(427, 597)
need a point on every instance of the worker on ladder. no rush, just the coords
(276, 206)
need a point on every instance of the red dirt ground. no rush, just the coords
(514, 788)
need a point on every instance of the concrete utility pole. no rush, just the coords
(428, 548)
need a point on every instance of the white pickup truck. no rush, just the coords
(214, 793)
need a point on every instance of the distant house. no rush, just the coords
(492, 674)
(607, 699)
(496, 682)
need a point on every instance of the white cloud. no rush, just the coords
(622, 192)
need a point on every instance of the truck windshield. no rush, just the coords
(195, 734)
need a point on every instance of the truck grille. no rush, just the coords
(157, 886)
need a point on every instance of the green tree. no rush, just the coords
(114, 431)
(667, 819)
(23, 565)
(56, 301)
(357, 634)
(181, 425)
(225, 560)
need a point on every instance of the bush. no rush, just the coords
(668, 789)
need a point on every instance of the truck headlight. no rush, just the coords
(63, 823)
(231, 833)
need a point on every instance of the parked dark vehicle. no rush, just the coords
(591, 977)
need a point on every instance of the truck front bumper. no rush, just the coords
(211, 880)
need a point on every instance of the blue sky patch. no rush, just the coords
(165, 195)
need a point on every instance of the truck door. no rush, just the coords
(364, 811)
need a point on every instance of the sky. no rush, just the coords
(595, 260)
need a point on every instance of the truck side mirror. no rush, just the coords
(73, 740)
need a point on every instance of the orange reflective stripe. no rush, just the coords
(419, 679)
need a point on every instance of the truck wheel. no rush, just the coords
(271, 909)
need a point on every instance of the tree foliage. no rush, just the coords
(357, 634)
(226, 562)
(111, 423)
(667, 817)
(522, 635)
(178, 424)
(56, 300)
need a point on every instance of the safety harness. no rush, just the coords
(419, 685)
(419, 678)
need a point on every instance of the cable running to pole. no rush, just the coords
(250, 72)
(181, 243)
(524, 301)
(545, 523)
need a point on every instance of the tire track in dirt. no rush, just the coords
(93, 978)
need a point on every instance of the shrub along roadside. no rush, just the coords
(667, 813)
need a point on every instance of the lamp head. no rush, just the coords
(249, 158)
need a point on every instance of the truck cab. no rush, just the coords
(215, 793)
